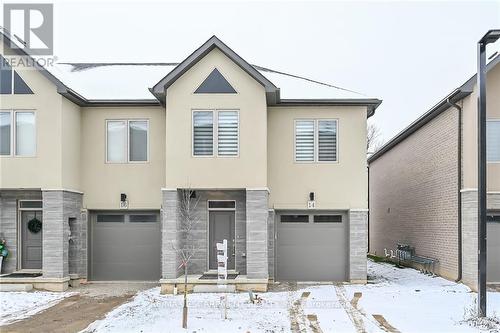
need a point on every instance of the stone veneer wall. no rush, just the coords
(270, 249)
(470, 235)
(169, 237)
(78, 245)
(8, 223)
(58, 207)
(358, 245)
(257, 234)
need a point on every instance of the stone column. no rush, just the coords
(270, 247)
(58, 207)
(469, 238)
(257, 234)
(358, 245)
(169, 234)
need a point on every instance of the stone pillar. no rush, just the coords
(270, 247)
(257, 234)
(358, 245)
(59, 206)
(469, 239)
(78, 245)
(169, 234)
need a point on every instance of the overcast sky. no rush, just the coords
(409, 54)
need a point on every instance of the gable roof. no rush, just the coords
(102, 84)
(272, 92)
(456, 95)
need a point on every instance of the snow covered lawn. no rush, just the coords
(18, 305)
(395, 300)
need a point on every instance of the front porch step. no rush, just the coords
(15, 287)
(213, 288)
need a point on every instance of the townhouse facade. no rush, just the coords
(423, 185)
(96, 160)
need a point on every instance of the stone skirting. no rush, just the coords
(241, 283)
(41, 283)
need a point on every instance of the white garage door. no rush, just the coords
(311, 246)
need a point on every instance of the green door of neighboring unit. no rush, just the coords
(125, 246)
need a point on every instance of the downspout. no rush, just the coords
(459, 185)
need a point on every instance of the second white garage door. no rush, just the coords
(311, 246)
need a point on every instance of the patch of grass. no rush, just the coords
(490, 324)
(378, 259)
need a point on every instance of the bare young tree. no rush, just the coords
(373, 142)
(186, 249)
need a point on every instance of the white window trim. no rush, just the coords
(498, 121)
(215, 133)
(127, 128)
(13, 130)
(316, 141)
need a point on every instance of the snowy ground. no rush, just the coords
(18, 305)
(395, 300)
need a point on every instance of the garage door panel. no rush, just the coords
(308, 251)
(493, 269)
(125, 250)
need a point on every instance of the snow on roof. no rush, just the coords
(130, 81)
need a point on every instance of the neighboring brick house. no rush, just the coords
(422, 185)
(100, 161)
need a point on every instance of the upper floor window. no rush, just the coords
(17, 133)
(493, 140)
(10, 81)
(220, 133)
(127, 141)
(316, 140)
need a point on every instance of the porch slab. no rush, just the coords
(240, 283)
(5, 287)
(41, 283)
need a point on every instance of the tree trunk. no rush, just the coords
(185, 309)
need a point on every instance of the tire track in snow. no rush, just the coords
(353, 313)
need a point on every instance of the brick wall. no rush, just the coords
(414, 194)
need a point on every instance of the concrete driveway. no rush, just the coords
(73, 314)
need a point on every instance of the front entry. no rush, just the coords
(31, 239)
(221, 226)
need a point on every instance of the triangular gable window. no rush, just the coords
(215, 83)
(10, 81)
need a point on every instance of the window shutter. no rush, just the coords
(493, 141)
(327, 140)
(203, 129)
(227, 144)
(304, 140)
